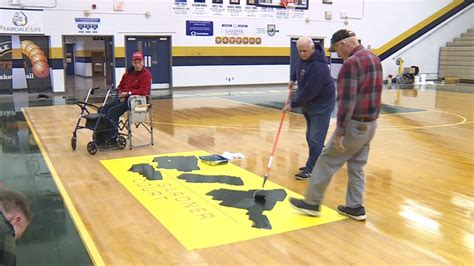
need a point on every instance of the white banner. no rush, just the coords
(20, 21)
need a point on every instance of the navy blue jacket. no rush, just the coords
(315, 84)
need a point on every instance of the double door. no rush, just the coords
(157, 59)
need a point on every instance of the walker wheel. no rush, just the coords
(92, 148)
(73, 143)
(121, 142)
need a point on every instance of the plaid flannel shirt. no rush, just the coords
(359, 88)
(7, 242)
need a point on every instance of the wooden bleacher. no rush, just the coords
(457, 58)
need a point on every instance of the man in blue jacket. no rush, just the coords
(316, 95)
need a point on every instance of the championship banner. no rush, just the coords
(6, 65)
(206, 205)
(35, 51)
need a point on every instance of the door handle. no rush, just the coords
(148, 61)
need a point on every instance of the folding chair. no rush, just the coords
(139, 114)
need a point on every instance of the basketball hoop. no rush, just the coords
(288, 4)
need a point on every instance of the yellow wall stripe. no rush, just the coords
(56, 52)
(220, 51)
(83, 53)
(16, 53)
(119, 51)
(417, 27)
(85, 236)
(230, 51)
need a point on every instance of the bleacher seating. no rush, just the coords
(457, 58)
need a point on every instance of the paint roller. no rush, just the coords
(260, 195)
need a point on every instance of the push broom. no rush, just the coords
(260, 195)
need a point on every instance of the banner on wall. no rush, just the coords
(20, 21)
(35, 50)
(87, 25)
(199, 28)
(217, 8)
(268, 9)
(180, 7)
(6, 65)
(234, 29)
(200, 8)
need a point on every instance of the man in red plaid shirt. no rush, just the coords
(359, 89)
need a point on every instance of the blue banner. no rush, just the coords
(199, 28)
(93, 20)
(87, 25)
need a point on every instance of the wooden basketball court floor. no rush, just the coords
(419, 183)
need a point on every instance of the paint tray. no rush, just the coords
(213, 159)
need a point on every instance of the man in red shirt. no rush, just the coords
(135, 81)
(359, 89)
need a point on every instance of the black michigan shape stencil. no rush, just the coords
(147, 171)
(229, 198)
(245, 200)
(180, 163)
(224, 179)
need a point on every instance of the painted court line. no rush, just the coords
(85, 236)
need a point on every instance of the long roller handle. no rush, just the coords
(275, 142)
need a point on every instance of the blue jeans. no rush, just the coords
(317, 123)
(114, 110)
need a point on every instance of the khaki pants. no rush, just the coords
(357, 143)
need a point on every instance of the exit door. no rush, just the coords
(157, 59)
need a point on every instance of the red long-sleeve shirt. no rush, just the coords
(136, 83)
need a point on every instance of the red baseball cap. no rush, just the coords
(137, 56)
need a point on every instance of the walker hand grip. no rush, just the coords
(84, 104)
(94, 89)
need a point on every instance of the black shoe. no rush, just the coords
(302, 168)
(355, 213)
(300, 205)
(303, 176)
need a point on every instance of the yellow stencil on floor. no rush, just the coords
(203, 205)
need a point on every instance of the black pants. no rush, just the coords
(114, 110)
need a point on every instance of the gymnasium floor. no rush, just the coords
(419, 180)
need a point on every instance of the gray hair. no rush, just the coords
(15, 201)
(305, 40)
